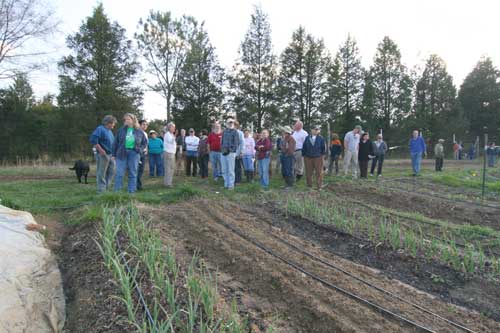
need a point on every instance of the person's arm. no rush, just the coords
(346, 142)
(115, 144)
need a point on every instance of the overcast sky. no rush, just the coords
(460, 31)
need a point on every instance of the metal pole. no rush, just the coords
(484, 164)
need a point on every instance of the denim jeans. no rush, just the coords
(203, 162)
(287, 162)
(156, 163)
(130, 164)
(378, 160)
(491, 161)
(248, 163)
(191, 159)
(416, 158)
(105, 171)
(228, 162)
(264, 171)
(216, 162)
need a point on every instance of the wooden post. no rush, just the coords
(329, 139)
(484, 165)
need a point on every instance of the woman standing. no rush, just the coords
(379, 150)
(263, 148)
(155, 150)
(365, 153)
(248, 155)
(335, 152)
(192, 143)
(203, 155)
(130, 142)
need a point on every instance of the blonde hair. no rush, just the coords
(135, 122)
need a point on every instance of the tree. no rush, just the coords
(351, 82)
(164, 41)
(304, 63)
(22, 22)
(198, 92)
(254, 75)
(434, 98)
(391, 86)
(331, 104)
(97, 79)
(479, 97)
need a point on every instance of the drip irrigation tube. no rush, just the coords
(330, 285)
(136, 287)
(328, 264)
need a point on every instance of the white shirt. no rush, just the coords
(169, 144)
(192, 143)
(352, 141)
(299, 137)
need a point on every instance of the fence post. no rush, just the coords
(484, 164)
(329, 139)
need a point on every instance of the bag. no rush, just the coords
(225, 151)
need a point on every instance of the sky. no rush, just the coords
(459, 31)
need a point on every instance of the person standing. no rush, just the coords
(379, 150)
(313, 150)
(299, 135)
(238, 163)
(102, 139)
(287, 151)
(214, 142)
(417, 149)
(203, 155)
(351, 146)
(130, 142)
(263, 147)
(491, 153)
(335, 152)
(279, 139)
(155, 153)
(365, 153)
(192, 142)
(180, 157)
(169, 151)
(439, 155)
(248, 155)
(143, 125)
(229, 145)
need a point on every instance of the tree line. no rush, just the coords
(107, 73)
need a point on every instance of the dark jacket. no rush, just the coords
(335, 148)
(230, 141)
(119, 150)
(287, 146)
(381, 150)
(365, 149)
(316, 150)
(263, 148)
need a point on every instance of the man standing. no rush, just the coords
(214, 141)
(351, 148)
(439, 155)
(314, 150)
(417, 149)
(102, 139)
(169, 149)
(379, 150)
(192, 143)
(142, 161)
(239, 154)
(287, 151)
(229, 145)
(299, 135)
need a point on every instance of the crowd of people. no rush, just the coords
(233, 152)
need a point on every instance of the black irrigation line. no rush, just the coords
(136, 286)
(388, 293)
(330, 285)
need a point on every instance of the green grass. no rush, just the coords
(468, 178)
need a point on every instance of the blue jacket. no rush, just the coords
(230, 140)
(155, 146)
(119, 150)
(104, 137)
(319, 148)
(417, 145)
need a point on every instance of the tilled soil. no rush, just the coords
(272, 292)
(430, 206)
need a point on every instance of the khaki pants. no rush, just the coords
(169, 165)
(314, 165)
(299, 163)
(351, 159)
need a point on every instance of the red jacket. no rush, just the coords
(263, 148)
(214, 140)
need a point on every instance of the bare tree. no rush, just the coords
(21, 23)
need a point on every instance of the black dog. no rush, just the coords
(81, 169)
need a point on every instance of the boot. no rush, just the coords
(298, 177)
(289, 181)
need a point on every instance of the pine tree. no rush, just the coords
(198, 96)
(434, 98)
(254, 75)
(479, 97)
(351, 83)
(304, 64)
(164, 42)
(391, 86)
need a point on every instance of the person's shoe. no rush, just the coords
(371, 174)
(298, 177)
